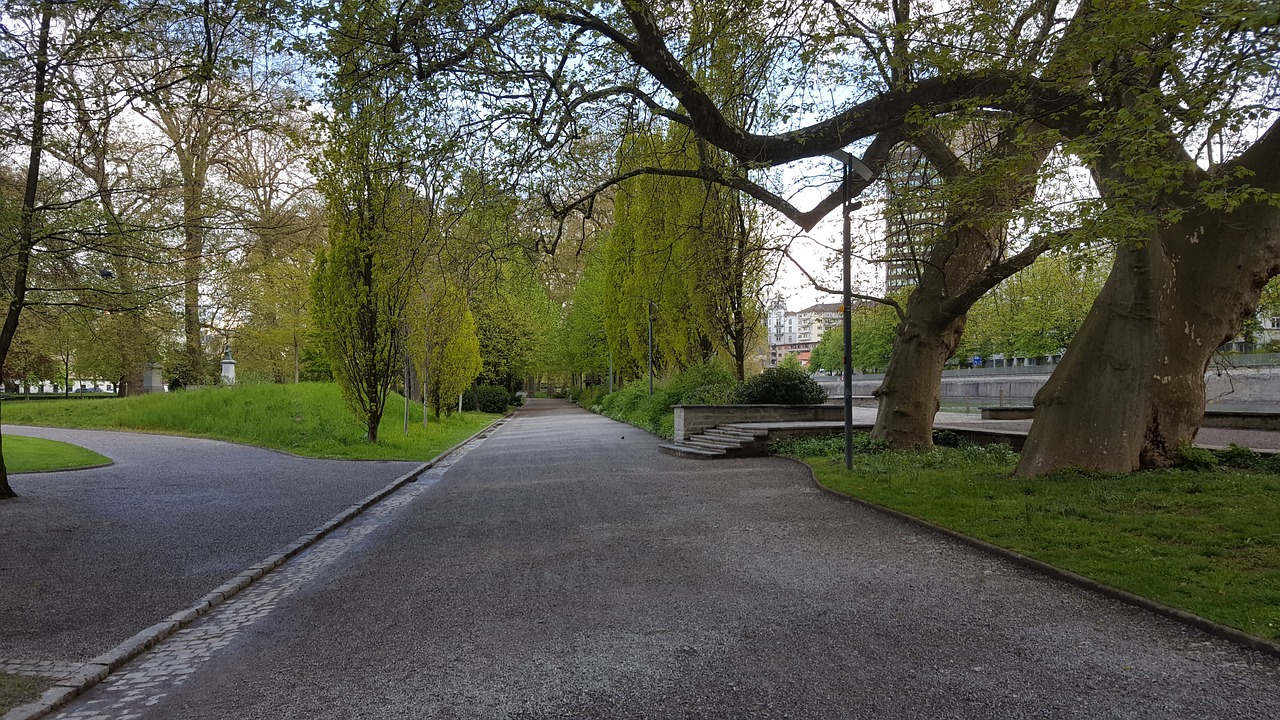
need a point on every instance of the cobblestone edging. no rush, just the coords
(1218, 630)
(39, 668)
(197, 641)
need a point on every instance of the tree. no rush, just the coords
(828, 354)
(1117, 81)
(512, 320)
(365, 281)
(874, 328)
(452, 349)
(208, 93)
(1200, 241)
(50, 240)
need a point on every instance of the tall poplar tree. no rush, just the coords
(365, 281)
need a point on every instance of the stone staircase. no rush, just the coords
(721, 441)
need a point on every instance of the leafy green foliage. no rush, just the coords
(486, 398)
(363, 285)
(588, 396)
(872, 329)
(704, 384)
(453, 354)
(1194, 458)
(1038, 311)
(828, 354)
(780, 386)
(827, 446)
(686, 253)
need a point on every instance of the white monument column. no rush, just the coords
(228, 366)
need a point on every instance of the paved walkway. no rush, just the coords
(91, 557)
(564, 568)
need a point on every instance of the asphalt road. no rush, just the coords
(564, 568)
(90, 557)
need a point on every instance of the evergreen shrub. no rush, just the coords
(487, 398)
(781, 386)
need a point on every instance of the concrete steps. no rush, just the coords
(720, 442)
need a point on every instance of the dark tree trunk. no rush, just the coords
(6, 490)
(1130, 391)
(911, 392)
(957, 272)
(26, 229)
(964, 261)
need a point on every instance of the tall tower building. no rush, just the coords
(911, 218)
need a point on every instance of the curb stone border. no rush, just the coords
(1222, 632)
(74, 469)
(97, 669)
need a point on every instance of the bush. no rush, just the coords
(781, 386)
(487, 398)
(705, 384)
(1239, 457)
(828, 446)
(947, 438)
(587, 396)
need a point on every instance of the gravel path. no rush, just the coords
(91, 557)
(565, 568)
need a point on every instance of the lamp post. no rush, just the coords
(649, 311)
(847, 206)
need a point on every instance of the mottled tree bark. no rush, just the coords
(1130, 391)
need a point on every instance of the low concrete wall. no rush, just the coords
(1018, 386)
(1226, 419)
(693, 419)
(1017, 412)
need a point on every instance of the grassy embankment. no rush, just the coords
(308, 419)
(30, 454)
(1206, 541)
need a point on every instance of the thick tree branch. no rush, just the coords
(995, 273)
(1263, 158)
(1001, 89)
(876, 157)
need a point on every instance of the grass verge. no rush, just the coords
(308, 419)
(18, 690)
(1205, 541)
(31, 454)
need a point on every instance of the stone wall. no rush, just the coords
(693, 419)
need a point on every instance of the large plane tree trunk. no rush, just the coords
(1130, 391)
(911, 392)
(961, 263)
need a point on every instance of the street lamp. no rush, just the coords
(850, 163)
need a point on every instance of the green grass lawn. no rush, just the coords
(1204, 541)
(307, 419)
(18, 690)
(30, 454)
